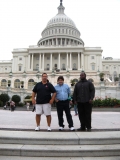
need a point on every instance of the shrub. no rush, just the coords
(16, 99)
(4, 98)
(21, 104)
(107, 102)
(1, 104)
(28, 97)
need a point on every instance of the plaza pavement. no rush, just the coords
(25, 120)
(21, 122)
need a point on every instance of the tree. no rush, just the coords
(4, 98)
(116, 79)
(101, 75)
(28, 97)
(73, 81)
(16, 99)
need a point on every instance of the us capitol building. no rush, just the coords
(60, 51)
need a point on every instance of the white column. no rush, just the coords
(13, 64)
(51, 62)
(56, 42)
(70, 62)
(61, 41)
(82, 61)
(52, 42)
(67, 60)
(59, 61)
(69, 41)
(32, 63)
(78, 61)
(65, 41)
(43, 63)
(29, 62)
(24, 63)
(39, 61)
(16, 62)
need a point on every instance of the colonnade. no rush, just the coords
(68, 61)
(59, 41)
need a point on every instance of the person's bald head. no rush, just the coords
(82, 76)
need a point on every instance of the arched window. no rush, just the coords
(30, 84)
(17, 83)
(115, 74)
(3, 83)
(75, 80)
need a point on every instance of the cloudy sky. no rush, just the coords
(22, 21)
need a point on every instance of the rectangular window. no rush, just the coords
(55, 58)
(93, 67)
(20, 68)
(37, 58)
(106, 67)
(92, 57)
(20, 59)
(5, 68)
(48, 58)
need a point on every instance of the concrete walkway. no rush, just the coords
(25, 120)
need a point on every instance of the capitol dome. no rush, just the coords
(61, 18)
(61, 27)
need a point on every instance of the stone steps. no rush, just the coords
(59, 144)
(58, 158)
(60, 150)
(61, 138)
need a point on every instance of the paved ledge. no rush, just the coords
(60, 150)
(25, 121)
(58, 158)
(62, 138)
(98, 109)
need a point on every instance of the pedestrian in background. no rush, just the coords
(28, 105)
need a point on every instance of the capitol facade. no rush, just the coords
(60, 51)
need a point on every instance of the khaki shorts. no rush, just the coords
(43, 108)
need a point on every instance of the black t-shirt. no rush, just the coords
(43, 92)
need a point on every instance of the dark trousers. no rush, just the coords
(64, 106)
(84, 111)
(12, 108)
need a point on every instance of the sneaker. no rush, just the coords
(37, 128)
(72, 129)
(49, 129)
(61, 128)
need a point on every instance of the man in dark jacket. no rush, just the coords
(83, 95)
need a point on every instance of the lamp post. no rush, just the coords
(24, 73)
(68, 73)
(38, 75)
(10, 74)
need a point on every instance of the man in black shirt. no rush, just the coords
(42, 91)
(83, 95)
